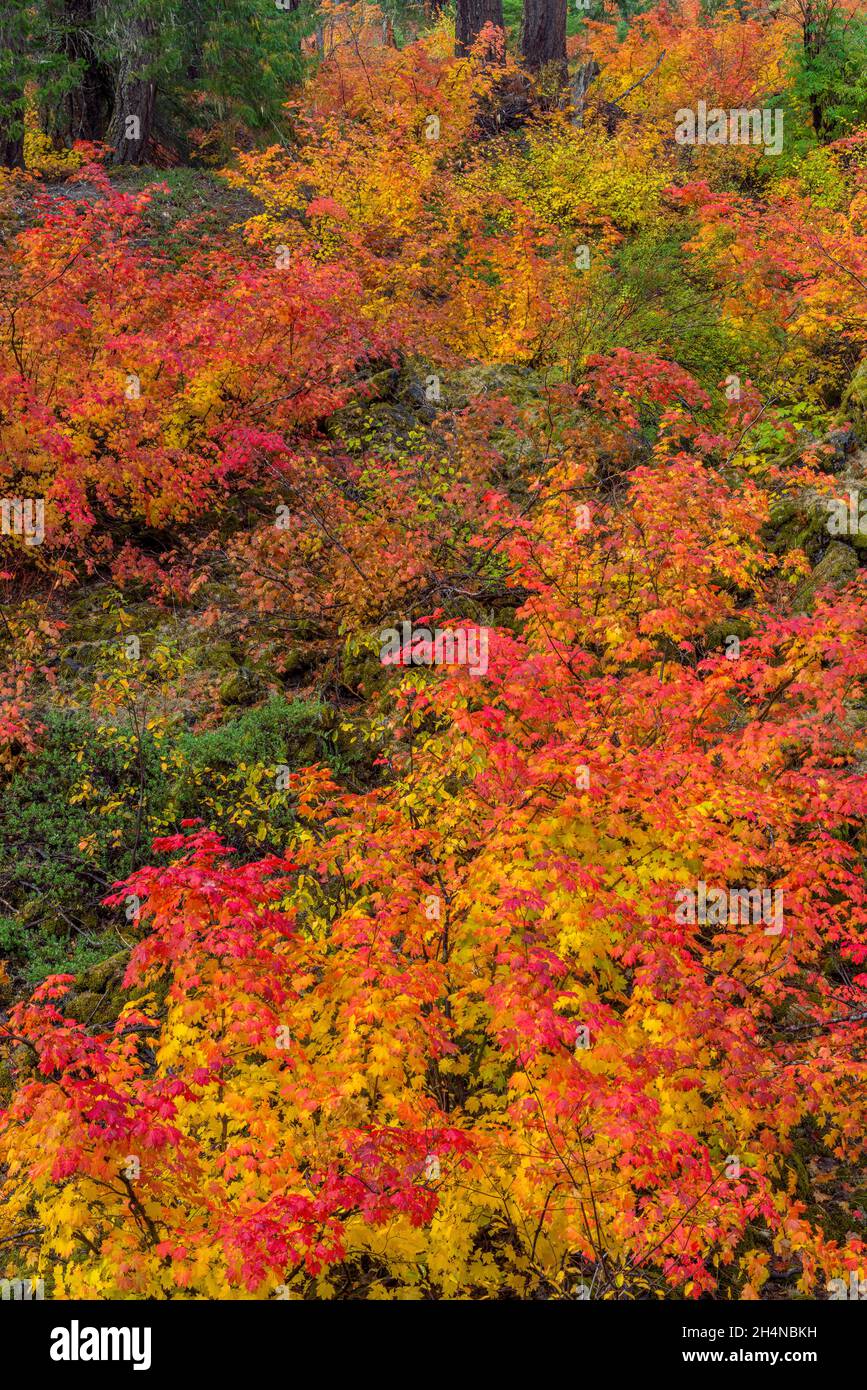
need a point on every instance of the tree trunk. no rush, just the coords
(814, 36)
(543, 40)
(87, 107)
(580, 84)
(472, 16)
(11, 144)
(131, 129)
(11, 94)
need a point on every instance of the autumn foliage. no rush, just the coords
(449, 1034)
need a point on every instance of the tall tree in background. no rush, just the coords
(32, 69)
(830, 75)
(15, 28)
(180, 63)
(150, 72)
(131, 130)
(84, 112)
(250, 57)
(471, 18)
(543, 38)
(11, 110)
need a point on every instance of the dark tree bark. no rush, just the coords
(543, 40)
(87, 107)
(817, 19)
(472, 16)
(132, 121)
(11, 144)
(11, 94)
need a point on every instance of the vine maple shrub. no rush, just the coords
(566, 997)
(140, 390)
(463, 1041)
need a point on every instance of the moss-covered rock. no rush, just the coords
(84, 1006)
(89, 620)
(241, 687)
(797, 522)
(837, 567)
(296, 661)
(522, 385)
(361, 667)
(382, 385)
(97, 978)
(219, 656)
(14, 1068)
(854, 402)
(98, 997)
(31, 910)
(727, 627)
